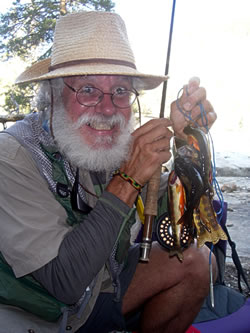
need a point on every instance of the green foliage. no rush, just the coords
(18, 99)
(27, 30)
(29, 27)
(101, 5)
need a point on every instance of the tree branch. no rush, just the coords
(7, 118)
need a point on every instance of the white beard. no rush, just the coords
(72, 144)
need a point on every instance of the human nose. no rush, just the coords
(106, 105)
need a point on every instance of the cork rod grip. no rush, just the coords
(152, 194)
(150, 211)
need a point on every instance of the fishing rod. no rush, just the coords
(150, 210)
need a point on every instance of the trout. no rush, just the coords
(190, 197)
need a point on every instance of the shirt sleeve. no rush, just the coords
(85, 250)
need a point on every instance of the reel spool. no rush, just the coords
(166, 237)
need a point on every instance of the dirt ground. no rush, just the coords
(236, 193)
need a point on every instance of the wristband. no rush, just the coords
(131, 181)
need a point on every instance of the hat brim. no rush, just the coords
(40, 71)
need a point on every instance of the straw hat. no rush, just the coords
(90, 43)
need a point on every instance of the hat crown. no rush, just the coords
(91, 35)
(90, 43)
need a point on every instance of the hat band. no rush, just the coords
(93, 61)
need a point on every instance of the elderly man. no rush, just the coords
(70, 177)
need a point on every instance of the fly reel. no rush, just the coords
(170, 236)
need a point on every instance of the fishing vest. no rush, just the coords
(32, 134)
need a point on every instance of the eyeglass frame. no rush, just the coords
(76, 91)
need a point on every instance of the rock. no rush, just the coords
(238, 212)
(229, 188)
(232, 164)
(232, 171)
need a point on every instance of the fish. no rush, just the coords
(176, 231)
(205, 218)
(192, 181)
(190, 213)
(198, 142)
(171, 235)
(207, 226)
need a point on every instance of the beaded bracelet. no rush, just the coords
(131, 181)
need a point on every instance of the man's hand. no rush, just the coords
(150, 148)
(189, 102)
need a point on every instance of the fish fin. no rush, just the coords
(178, 253)
(203, 234)
(211, 231)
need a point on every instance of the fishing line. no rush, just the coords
(215, 182)
(187, 114)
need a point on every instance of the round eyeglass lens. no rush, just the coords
(91, 96)
(124, 99)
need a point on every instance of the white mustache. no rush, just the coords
(87, 119)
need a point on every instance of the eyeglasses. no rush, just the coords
(91, 96)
